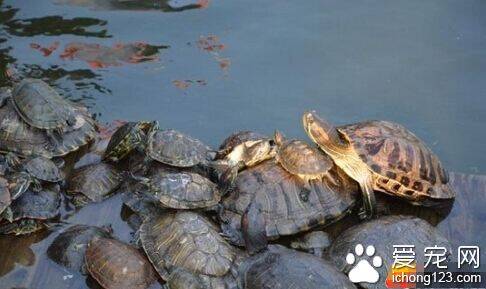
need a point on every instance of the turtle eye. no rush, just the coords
(271, 142)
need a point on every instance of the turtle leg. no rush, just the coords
(368, 210)
(316, 252)
(253, 226)
(20, 186)
(12, 160)
(5, 93)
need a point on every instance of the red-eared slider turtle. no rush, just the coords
(127, 138)
(116, 265)
(176, 149)
(41, 106)
(279, 194)
(279, 267)
(5, 198)
(382, 156)
(316, 242)
(69, 248)
(187, 240)
(240, 150)
(93, 183)
(373, 242)
(43, 169)
(30, 211)
(302, 160)
(182, 190)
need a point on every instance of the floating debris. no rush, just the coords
(184, 84)
(46, 51)
(213, 45)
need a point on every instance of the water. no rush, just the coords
(414, 62)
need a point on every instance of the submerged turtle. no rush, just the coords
(176, 149)
(127, 138)
(376, 237)
(116, 265)
(316, 243)
(93, 183)
(182, 190)
(69, 248)
(279, 195)
(186, 240)
(241, 150)
(383, 156)
(30, 211)
(302, 160)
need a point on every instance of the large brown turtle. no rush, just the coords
(116, 265)
(279, 194)
(382, 156)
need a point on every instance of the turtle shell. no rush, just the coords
(402, 163)
(96, 182)
(184, 190)
(382, 233)
(43, 169)
(279, 267)
(116, 265)
(5, 198)
(278, 193)
(41, 106)
(312, 240)
(69, 248)
(40, 205)
(299, 158)
(176, 149)
(187, 240)
(236, 139)
(124, 140)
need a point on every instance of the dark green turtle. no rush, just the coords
(127, 138)
(30, 211)
(176, 149)
(40, 106)
(93, 183)
(316, 243)
(68, 249)
(41, 169)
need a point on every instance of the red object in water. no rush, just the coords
(46, 51)
(210, 43)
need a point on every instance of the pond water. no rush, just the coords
(209, 68)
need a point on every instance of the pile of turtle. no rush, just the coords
(259, 212)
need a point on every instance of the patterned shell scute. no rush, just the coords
(236, 139)
(297, 157)
(40, 105)
(279, 192)
(395, 153)
(36, 205)
(44, 169)
(186, 240)
(95, 181)
(184, 190)
(123, 140)
(176, 149)
(116, 265)
(5, 198)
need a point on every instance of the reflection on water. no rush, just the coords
(162, 5)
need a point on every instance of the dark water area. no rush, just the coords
(209, 68)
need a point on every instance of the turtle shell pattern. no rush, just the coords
(123, 141)
(5, 198)
(299, 158)
(41, 106)
(37, 205)
(403, 164)
(43, 169)
(116, 265)
(278, 193)
(69, 248)
(279, 267)
(176, 149)
(96, 181)
(184, 190)
(236, 139)
(187, 240)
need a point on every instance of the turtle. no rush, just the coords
(241, 150)
(5, 198)
(279, 194)
(182, 189)
(302, 160)
(68, 248)
(315, 242)
(117, 265)
(30, 211)
(93, 183)
(183, 279)
(187, 240)
(176, 149)
(382, 156)
(377, 238)
(126, 138)
(37, 170)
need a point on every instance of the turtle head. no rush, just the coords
(278, 137)
(148, 126)
(322, 132)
